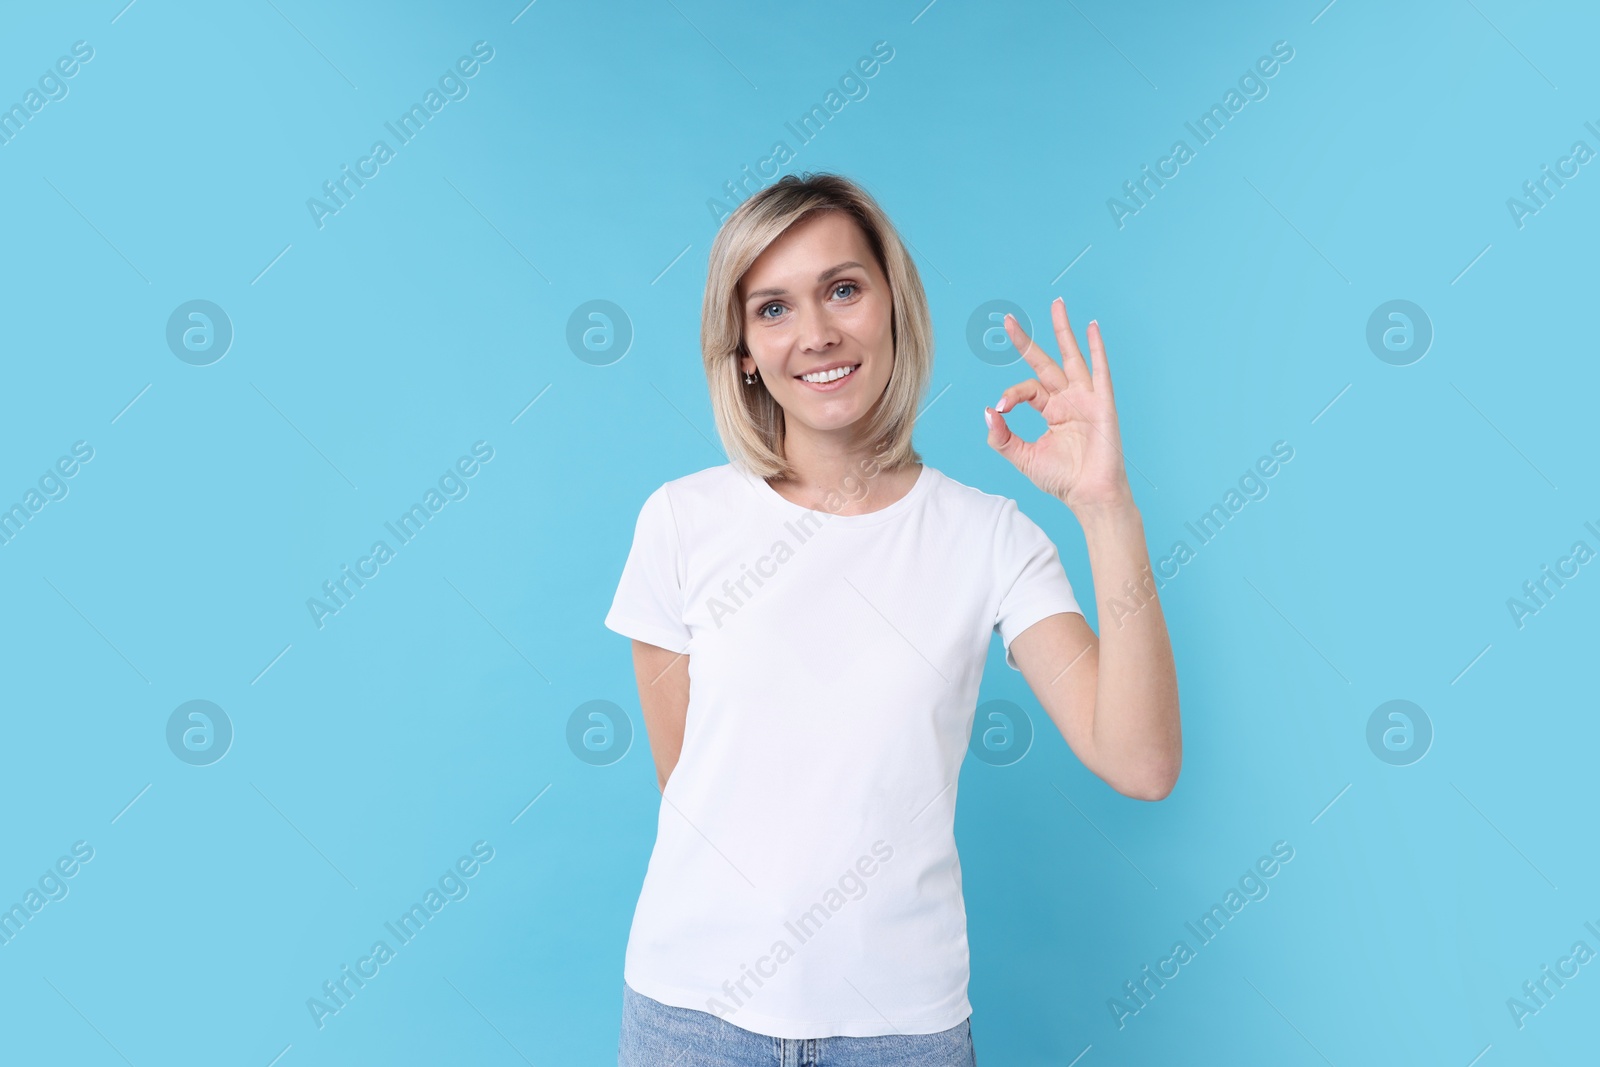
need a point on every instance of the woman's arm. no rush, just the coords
(663, 678)
(1119, 712)
(1114, 698)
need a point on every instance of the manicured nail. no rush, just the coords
(1000, 405)
(988, 418)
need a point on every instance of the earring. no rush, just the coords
(749, 379)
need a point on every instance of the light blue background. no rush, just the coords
(428, 314)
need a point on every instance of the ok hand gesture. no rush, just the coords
(1078, 459)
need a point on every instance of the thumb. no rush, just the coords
(1001, 439)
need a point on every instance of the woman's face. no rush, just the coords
(813, 301)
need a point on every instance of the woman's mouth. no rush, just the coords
(828, 380)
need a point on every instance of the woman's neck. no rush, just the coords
(844, 481)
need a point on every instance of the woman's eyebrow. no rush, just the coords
(824, 276)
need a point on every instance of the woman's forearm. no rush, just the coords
(1136, 725)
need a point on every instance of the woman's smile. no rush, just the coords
(830, 378)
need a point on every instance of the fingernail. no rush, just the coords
(988, 417)
(1000, 405)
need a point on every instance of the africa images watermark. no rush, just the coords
(1540, 591)
(452, 85)
(1252, 887)
(52, 886)
(452, 886)
(1252, 84)
(852, 88)
(1252, 486)
(736, 592)
(1541, 190)
(52, 87)
(851, 885)
(452, 485)
(1537, 993)
(52, 486)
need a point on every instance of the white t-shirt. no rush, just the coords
(804, 881)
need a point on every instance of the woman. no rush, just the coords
(810, 623)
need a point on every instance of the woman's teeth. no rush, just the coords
(827, 375)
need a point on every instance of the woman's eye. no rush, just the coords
(852, 286)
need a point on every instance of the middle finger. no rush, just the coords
(1051, 376)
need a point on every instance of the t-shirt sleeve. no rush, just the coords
(648, 604)
(1033, 584)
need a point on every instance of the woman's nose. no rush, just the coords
(817, 332)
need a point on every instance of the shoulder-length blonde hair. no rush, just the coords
(749, 420)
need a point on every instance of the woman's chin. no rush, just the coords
(826, 418)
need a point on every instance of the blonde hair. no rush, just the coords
(749, 420)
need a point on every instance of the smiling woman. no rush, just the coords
(794, 324)
(832, 711)
(807, 282)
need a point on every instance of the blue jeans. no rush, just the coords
(661, 1035)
